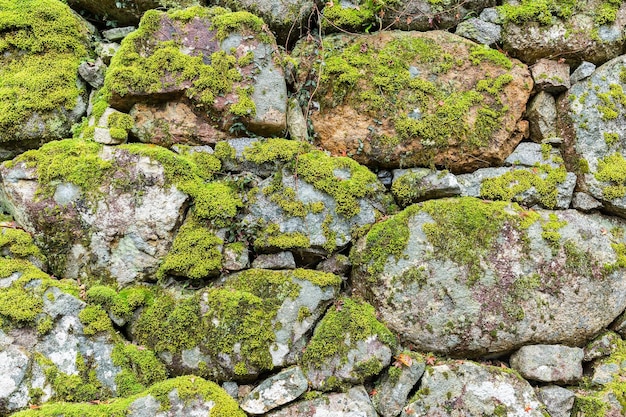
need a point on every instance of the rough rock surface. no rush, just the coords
(226, 71)
(558, 401)
(549, 363)
(550, 76)
(469, 389)
(572, 33)
(462, 129)
(535, 277)
(282, 388)
(355, 402)
(541, 114)
(411, 186)
(395, 386)
(479, 31)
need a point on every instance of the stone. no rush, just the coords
(604, 373)
(558, 401)
(235, 257)
(528, 154)
(603, 345)
(591, 120)
(279, 389)
(469, 389)
(250, 93)
(411, 186)
(585, 35)
(584, 202)
(355, 119)
(479, 31)
(532, 277)
(549, 363)
(541, 114)
(280, 260)
(337, 264)
(105, 130)
(106, 50)
(128, 14)
(296, 122)
(93, 72)
(231, 388)
(396, 384)
(584, 70)
(118, 33)
(354, 402)
(491, 15)
(550, 76)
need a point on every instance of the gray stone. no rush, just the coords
(528, 154)
(93, 72)
(280, 260)
(558, 401)
(541, 114)
(385, 177)
(337, 264)
(584, 70)
(549, 363)
(296, 122)
(354, 403)
(601, 346)
(469, 389)
(550, 76)
(106, 50)
(411, 186)
(523, 288)
(232, 388)
(604, 373)
(282, 388)
(102, 133)
(584, 202)
(117, 34)
(398, 381)
(479, 31)
(491, 14)
(235, 258)
(66, 193)
(13, 368)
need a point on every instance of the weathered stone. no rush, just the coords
(337, 264)
(550, 76)
(226, 73)
(541, 114)
(355, 402)
(584, 70)
(393, 390)
(282, 388)
(601, 346)
(491, 15)
(528, 277)
(236, 257)
(577, 37)
(528, 154)
(469, 389)
(126, 13)
(549, 363)
(585, 202)
(118, 33)
(106, 50)
(604, 373)
(355, 117)
(558, 401)
(105, 131)
(418, 184)
(93, 72)
(479, 31)
(296, 122)
(280, 260)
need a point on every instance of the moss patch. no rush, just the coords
(612, 170)
(140, 369)
(19, 244)
(43, 44)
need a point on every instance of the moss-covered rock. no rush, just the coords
(221, 61)
(41, 45)
(465, 277)
(406, 99)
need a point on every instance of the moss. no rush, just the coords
(195, 253)
(122, 304)
(95, 320)
(119, 125)
(43, 44)
(82, 386)
(20, 306)
(272, 150)
(188, 388)
(409, 187)
(140, 369)
(550, 230)
(482, 53)
(303, 314)
(612, 169)
(541, 11)
(19, 244)
(44, 325)
(132, 70)
(336, 15)
(613, 102)
(272, 237)
(511, 185)
(349, 322)
(74, 161)
(224, 152)
(611, 138)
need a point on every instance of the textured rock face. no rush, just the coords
(225, 70)
(592, 120)
(127, 15)
(470, 389)
(355, 402)
(41, 95)
(587, 31)
(120, 228)
(535, 277)
(462, 129)
(275, 391)
(549, 363)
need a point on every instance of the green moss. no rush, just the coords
(613, 102)
(195, 253)
(19, 244)
(409, 188)
(122, 304)
(272, 150)
(224, 152)
(43, 44)
(550, 230)
(612, 169)
(95, 320)
(140, 369)
(482, 53)
(511, 185)
(540, 11)
(336, 15)
(82, 386)
(131, 70)
(44, 325)
(303, 314)
(74, 161)
(611, 138)
(20, 306)
(349, 322)
(272, 237)
(188, 388)
(119, 125)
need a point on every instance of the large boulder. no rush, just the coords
(41, 46)
(354, 402)
(592, 120)
(112, 213)
(467, 277)
(255, 321)
(590, 30)
(209, 72)
(406, 99)
(470, 389)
